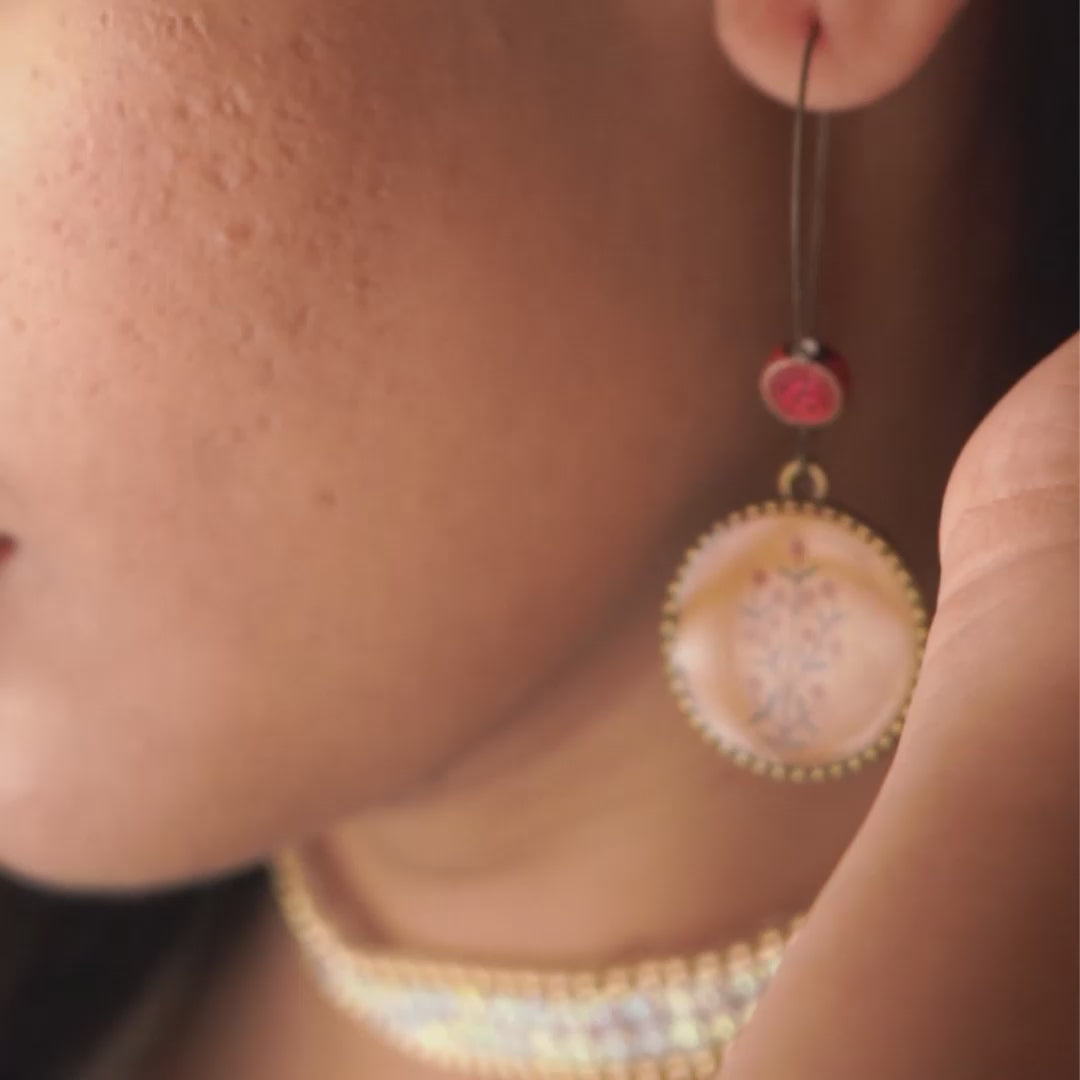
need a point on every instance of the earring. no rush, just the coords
(792, 633)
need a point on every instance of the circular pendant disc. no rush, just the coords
(793, 636)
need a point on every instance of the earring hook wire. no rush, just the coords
(805, 272)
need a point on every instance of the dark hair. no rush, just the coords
(70, 966)
(1046, 37)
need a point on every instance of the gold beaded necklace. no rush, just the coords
(661, 1020)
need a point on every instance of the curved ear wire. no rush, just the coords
(804, 278)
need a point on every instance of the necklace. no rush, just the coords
(661, 1020)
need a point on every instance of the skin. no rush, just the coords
(355, 409)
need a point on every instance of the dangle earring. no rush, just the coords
(793, 634)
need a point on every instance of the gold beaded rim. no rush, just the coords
(746, 759)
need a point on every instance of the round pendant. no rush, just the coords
(792, 638)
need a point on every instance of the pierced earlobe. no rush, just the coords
(865, 48)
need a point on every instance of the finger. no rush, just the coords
(1014, 485)
(866, 48)
(1006, 620)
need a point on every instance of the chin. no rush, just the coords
(67, 826)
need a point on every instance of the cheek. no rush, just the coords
(186, 209)
(262, 525)
(171, 216)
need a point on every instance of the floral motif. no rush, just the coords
(788, 638)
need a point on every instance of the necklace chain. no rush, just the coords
(661, 1020)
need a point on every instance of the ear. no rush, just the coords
(866, 48)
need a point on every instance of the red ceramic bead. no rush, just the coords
(804, 386)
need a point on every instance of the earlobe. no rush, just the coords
(866, 48)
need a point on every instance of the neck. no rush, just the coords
(604, 794)
(595, 826)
